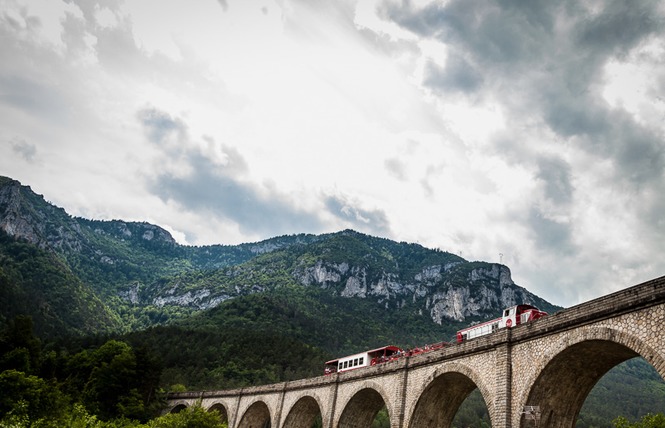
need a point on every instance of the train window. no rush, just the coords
(341, 366)
(355, 362)
(346, 364)
(506, 312)
(361, 361)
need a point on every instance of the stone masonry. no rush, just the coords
(552, 363)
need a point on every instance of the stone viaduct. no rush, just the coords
(552, 363)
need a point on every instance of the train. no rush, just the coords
(510, 317)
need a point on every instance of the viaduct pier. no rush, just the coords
(536, 373)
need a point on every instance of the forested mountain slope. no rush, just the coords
(234, 315)
(142, 277)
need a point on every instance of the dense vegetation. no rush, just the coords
(40, 284)
(626, 393)
(109, 338)
(113, 385)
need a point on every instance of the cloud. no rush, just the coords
(161, 128)
(457, 75)
(29, 95)
(213, 186)
(370, 221)
(224, 4)
(396, 168)
(547, 73)
(550, 234)
(556, 174)
(544, 66)
(24, 149)
(208, 189)
(538, 124)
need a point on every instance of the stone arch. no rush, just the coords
(361, 409)
(444, 392)
(256, 416)
(224, 415)
(178, 407)
(563, 380)
(303, 413)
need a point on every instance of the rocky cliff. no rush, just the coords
(146, 277)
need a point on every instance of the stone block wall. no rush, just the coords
(552, 362)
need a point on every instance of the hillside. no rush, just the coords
(143, 277)
(235, 315)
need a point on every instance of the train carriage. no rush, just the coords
(510, 317)
(364, 359)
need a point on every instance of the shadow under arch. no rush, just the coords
(303, 413)
(256, 416)
(362, 408)
(444, 394)
(564, 381)
(178, 408)
(219, 407)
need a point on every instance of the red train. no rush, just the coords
(511, 317)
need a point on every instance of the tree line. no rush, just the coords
(110, 386)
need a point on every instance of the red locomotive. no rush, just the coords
(511, 317)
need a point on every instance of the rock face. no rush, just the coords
(143, 265)
(484, 289)
(27, 216)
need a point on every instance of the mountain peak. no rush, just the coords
(26, 215)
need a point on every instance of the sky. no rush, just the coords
(529, 133)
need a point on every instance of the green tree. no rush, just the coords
(113, 381)
(20, 349)
(29, 398)
(111, 386)
(192, 417)
(381, 420)
(647, 421)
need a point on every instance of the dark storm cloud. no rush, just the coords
(619, 27)
(457, 75)
(550, 234)
(215, 188)
(545, 63)
(489, 31)
(209, 189)
(556, 175)
(547, 72)
(370, 221)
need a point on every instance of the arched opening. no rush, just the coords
(440, 401)
(257, 416)
(473, 412)
(219, 408)
(382, 419)
(631, 389)
(361, 409)
(304, 414)
(179, 408)
(564, 384)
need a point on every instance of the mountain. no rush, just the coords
(141, 276)
(223, 316)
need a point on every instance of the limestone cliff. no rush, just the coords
(138, 268)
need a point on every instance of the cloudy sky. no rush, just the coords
(526, 132)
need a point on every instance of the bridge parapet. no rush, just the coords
(551, 362)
